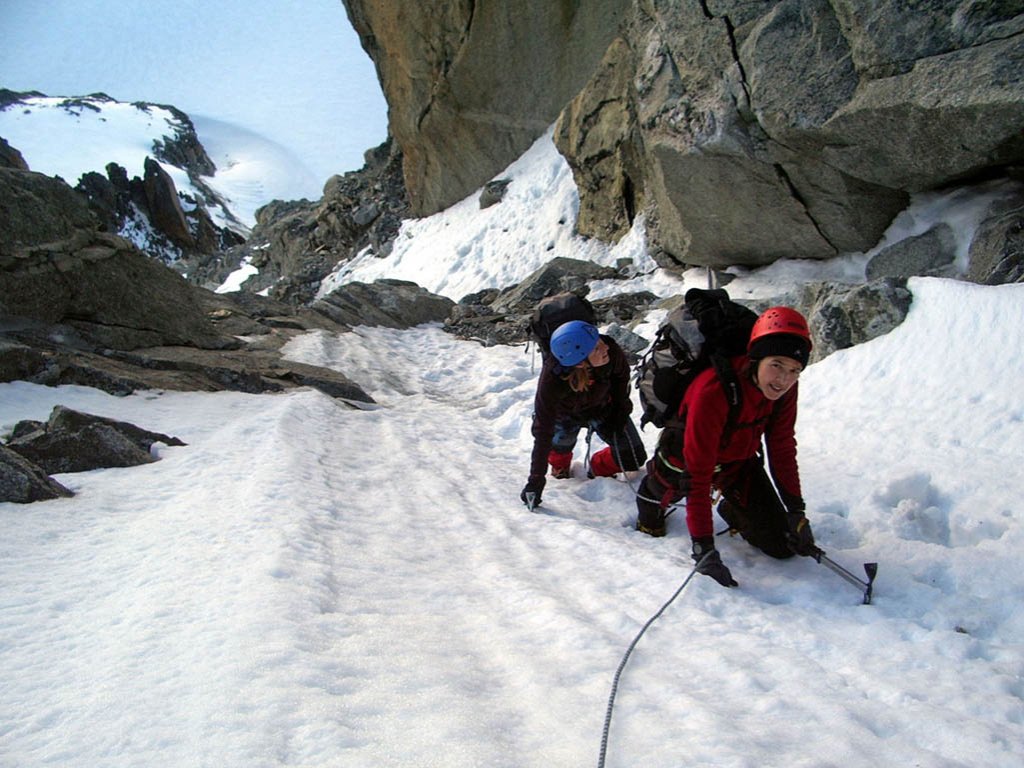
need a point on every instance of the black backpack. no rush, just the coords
(706, 330)
(552, 311)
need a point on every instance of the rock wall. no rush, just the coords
(747, 131)
(471, 84)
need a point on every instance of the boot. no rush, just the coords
(561, 464)
(603, 464)
(650, 519)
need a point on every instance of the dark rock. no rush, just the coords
(632, 344)
(493, 192)
(997, 250)
(296, 244)
(11, 157)
(23, 482)
(559, 274)
(164, 206)
(841, 316)
(931, 253)
(503, 317)
(388, 303)
(37, 209)
(71, 441)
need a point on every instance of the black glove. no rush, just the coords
(799, 537)
(709, 562)
(532, 491)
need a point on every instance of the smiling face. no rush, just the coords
(776, 375)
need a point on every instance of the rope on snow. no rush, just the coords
(625, 658)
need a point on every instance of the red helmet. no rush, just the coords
(780, 320)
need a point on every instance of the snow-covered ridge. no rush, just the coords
(69, 137)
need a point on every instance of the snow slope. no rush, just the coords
(306, 584)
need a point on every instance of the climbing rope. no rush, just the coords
(635, 489)
(625, 658)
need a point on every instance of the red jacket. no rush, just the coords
(704, 410)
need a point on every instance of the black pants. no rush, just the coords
(625, 442)
(750, 504)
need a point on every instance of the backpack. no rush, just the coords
(705, 331)
(552, 312)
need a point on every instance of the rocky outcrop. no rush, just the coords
(37, 209)
(471, 85)
(841, 316)
(503, 317)
(931, 253)
(71, 441)
(81, 306)
(386, 303)
(747, 131)
(171, 225)
(10, 157)
(295, 244)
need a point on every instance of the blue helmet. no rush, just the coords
(573, 341)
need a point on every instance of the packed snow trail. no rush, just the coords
(309, 584)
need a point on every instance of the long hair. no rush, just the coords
(580, 377)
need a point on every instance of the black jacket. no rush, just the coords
(606, 401)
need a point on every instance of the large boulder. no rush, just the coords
(841, 316)
(11, 157)
(387, 303)
(471, 85)
(930, 253)
(36, 209)
(110, 293)
(71, 441)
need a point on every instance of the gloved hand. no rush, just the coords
(709, 562)
(800, 537)
(534, 486)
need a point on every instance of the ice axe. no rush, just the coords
(871, 569)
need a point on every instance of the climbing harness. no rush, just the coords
(625, 658)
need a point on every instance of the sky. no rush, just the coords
(310, 584)
(268, 84)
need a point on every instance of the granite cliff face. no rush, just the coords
(745, 131)
(470, 85)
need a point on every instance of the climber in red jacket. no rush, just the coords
(703, 454)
